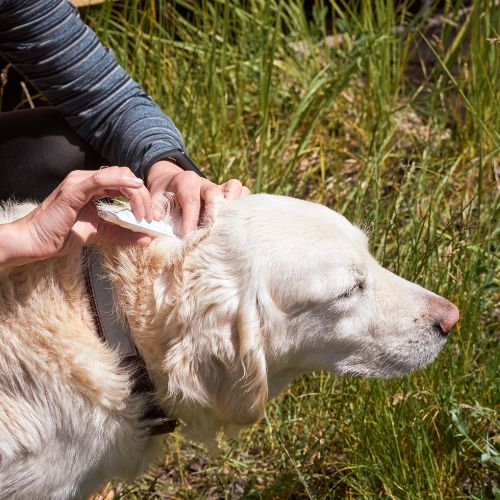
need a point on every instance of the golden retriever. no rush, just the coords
(271, 288)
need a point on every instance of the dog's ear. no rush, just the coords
(215, 363)
(243, 395)
(216, 367)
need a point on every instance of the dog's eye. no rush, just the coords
(359, 286)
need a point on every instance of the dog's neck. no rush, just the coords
(146, 284)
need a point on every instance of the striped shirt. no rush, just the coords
(49, 44)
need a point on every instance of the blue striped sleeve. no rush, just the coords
(49, 44)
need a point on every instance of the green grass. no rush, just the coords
(408, 150)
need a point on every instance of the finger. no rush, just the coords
(77, 194)
(244, 192)
(140, 202)
(108, 193)
(232, 189)
(114, 193)
(76, 176)
(141, 199)
(209, 193)
(188, 194)
(190, 214)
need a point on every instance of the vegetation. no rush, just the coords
(392, 119)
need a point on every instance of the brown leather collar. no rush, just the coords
(116, 334)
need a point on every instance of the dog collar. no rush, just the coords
(116, 333)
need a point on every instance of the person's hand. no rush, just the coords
(67, 219)
(194, 193)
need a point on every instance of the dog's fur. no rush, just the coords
(271, 288)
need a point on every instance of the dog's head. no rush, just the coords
(276, 287)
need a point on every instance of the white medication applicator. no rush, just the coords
(124, 217)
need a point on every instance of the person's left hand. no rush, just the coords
(194, 193)
(68, 219)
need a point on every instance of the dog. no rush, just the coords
(270, 288)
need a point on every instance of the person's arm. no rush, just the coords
(48, 42)
(50, 45)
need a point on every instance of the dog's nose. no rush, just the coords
(450, 319)
(445, 314)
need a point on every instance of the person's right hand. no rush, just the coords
(195, 194)
(67, 219)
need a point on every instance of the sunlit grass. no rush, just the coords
(349, 117)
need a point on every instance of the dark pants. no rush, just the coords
(37, 150)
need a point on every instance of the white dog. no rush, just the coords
(271, 288)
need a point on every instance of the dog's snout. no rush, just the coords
(445, 314)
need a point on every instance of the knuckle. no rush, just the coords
(63, 192)
(64, 195)
(112, 170)
(95, 179)
(105, 172)
(210, 185)
(213, 191)
(190, 176)
(125, 171)
(72, 177)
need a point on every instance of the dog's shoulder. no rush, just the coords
(64, 399)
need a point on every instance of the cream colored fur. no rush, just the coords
(271, 288)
